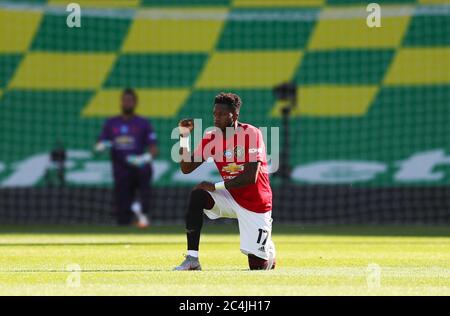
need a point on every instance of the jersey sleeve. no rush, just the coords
(150, 135)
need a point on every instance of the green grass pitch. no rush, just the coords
(311, 261)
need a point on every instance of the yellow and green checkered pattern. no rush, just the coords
(179, 53)
(169, 59)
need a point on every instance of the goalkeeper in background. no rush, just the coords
(133, 145)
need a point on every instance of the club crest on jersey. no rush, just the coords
(124, 129)
(232, 168)
(239, 151)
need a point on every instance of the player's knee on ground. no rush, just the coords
(256, 263)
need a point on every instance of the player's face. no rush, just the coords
(128, 104)
(223, 117)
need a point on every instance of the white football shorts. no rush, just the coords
(255, 228)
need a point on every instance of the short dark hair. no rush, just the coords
(129, 91)
(233, 101)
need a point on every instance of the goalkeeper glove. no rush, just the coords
(102, 146)
(139, 160)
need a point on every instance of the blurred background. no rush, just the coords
(363, 111)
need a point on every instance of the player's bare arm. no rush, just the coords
(187, 163)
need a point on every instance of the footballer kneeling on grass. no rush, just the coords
(239, 153)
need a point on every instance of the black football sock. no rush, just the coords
(194, 218)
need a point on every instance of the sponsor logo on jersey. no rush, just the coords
(232, 168)
(228, 177)
(124, 142)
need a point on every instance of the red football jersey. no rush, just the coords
(230, 154)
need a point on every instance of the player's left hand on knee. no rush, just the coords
(204, 185)
(139, 160)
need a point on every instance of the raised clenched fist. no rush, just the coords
(186, 126)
